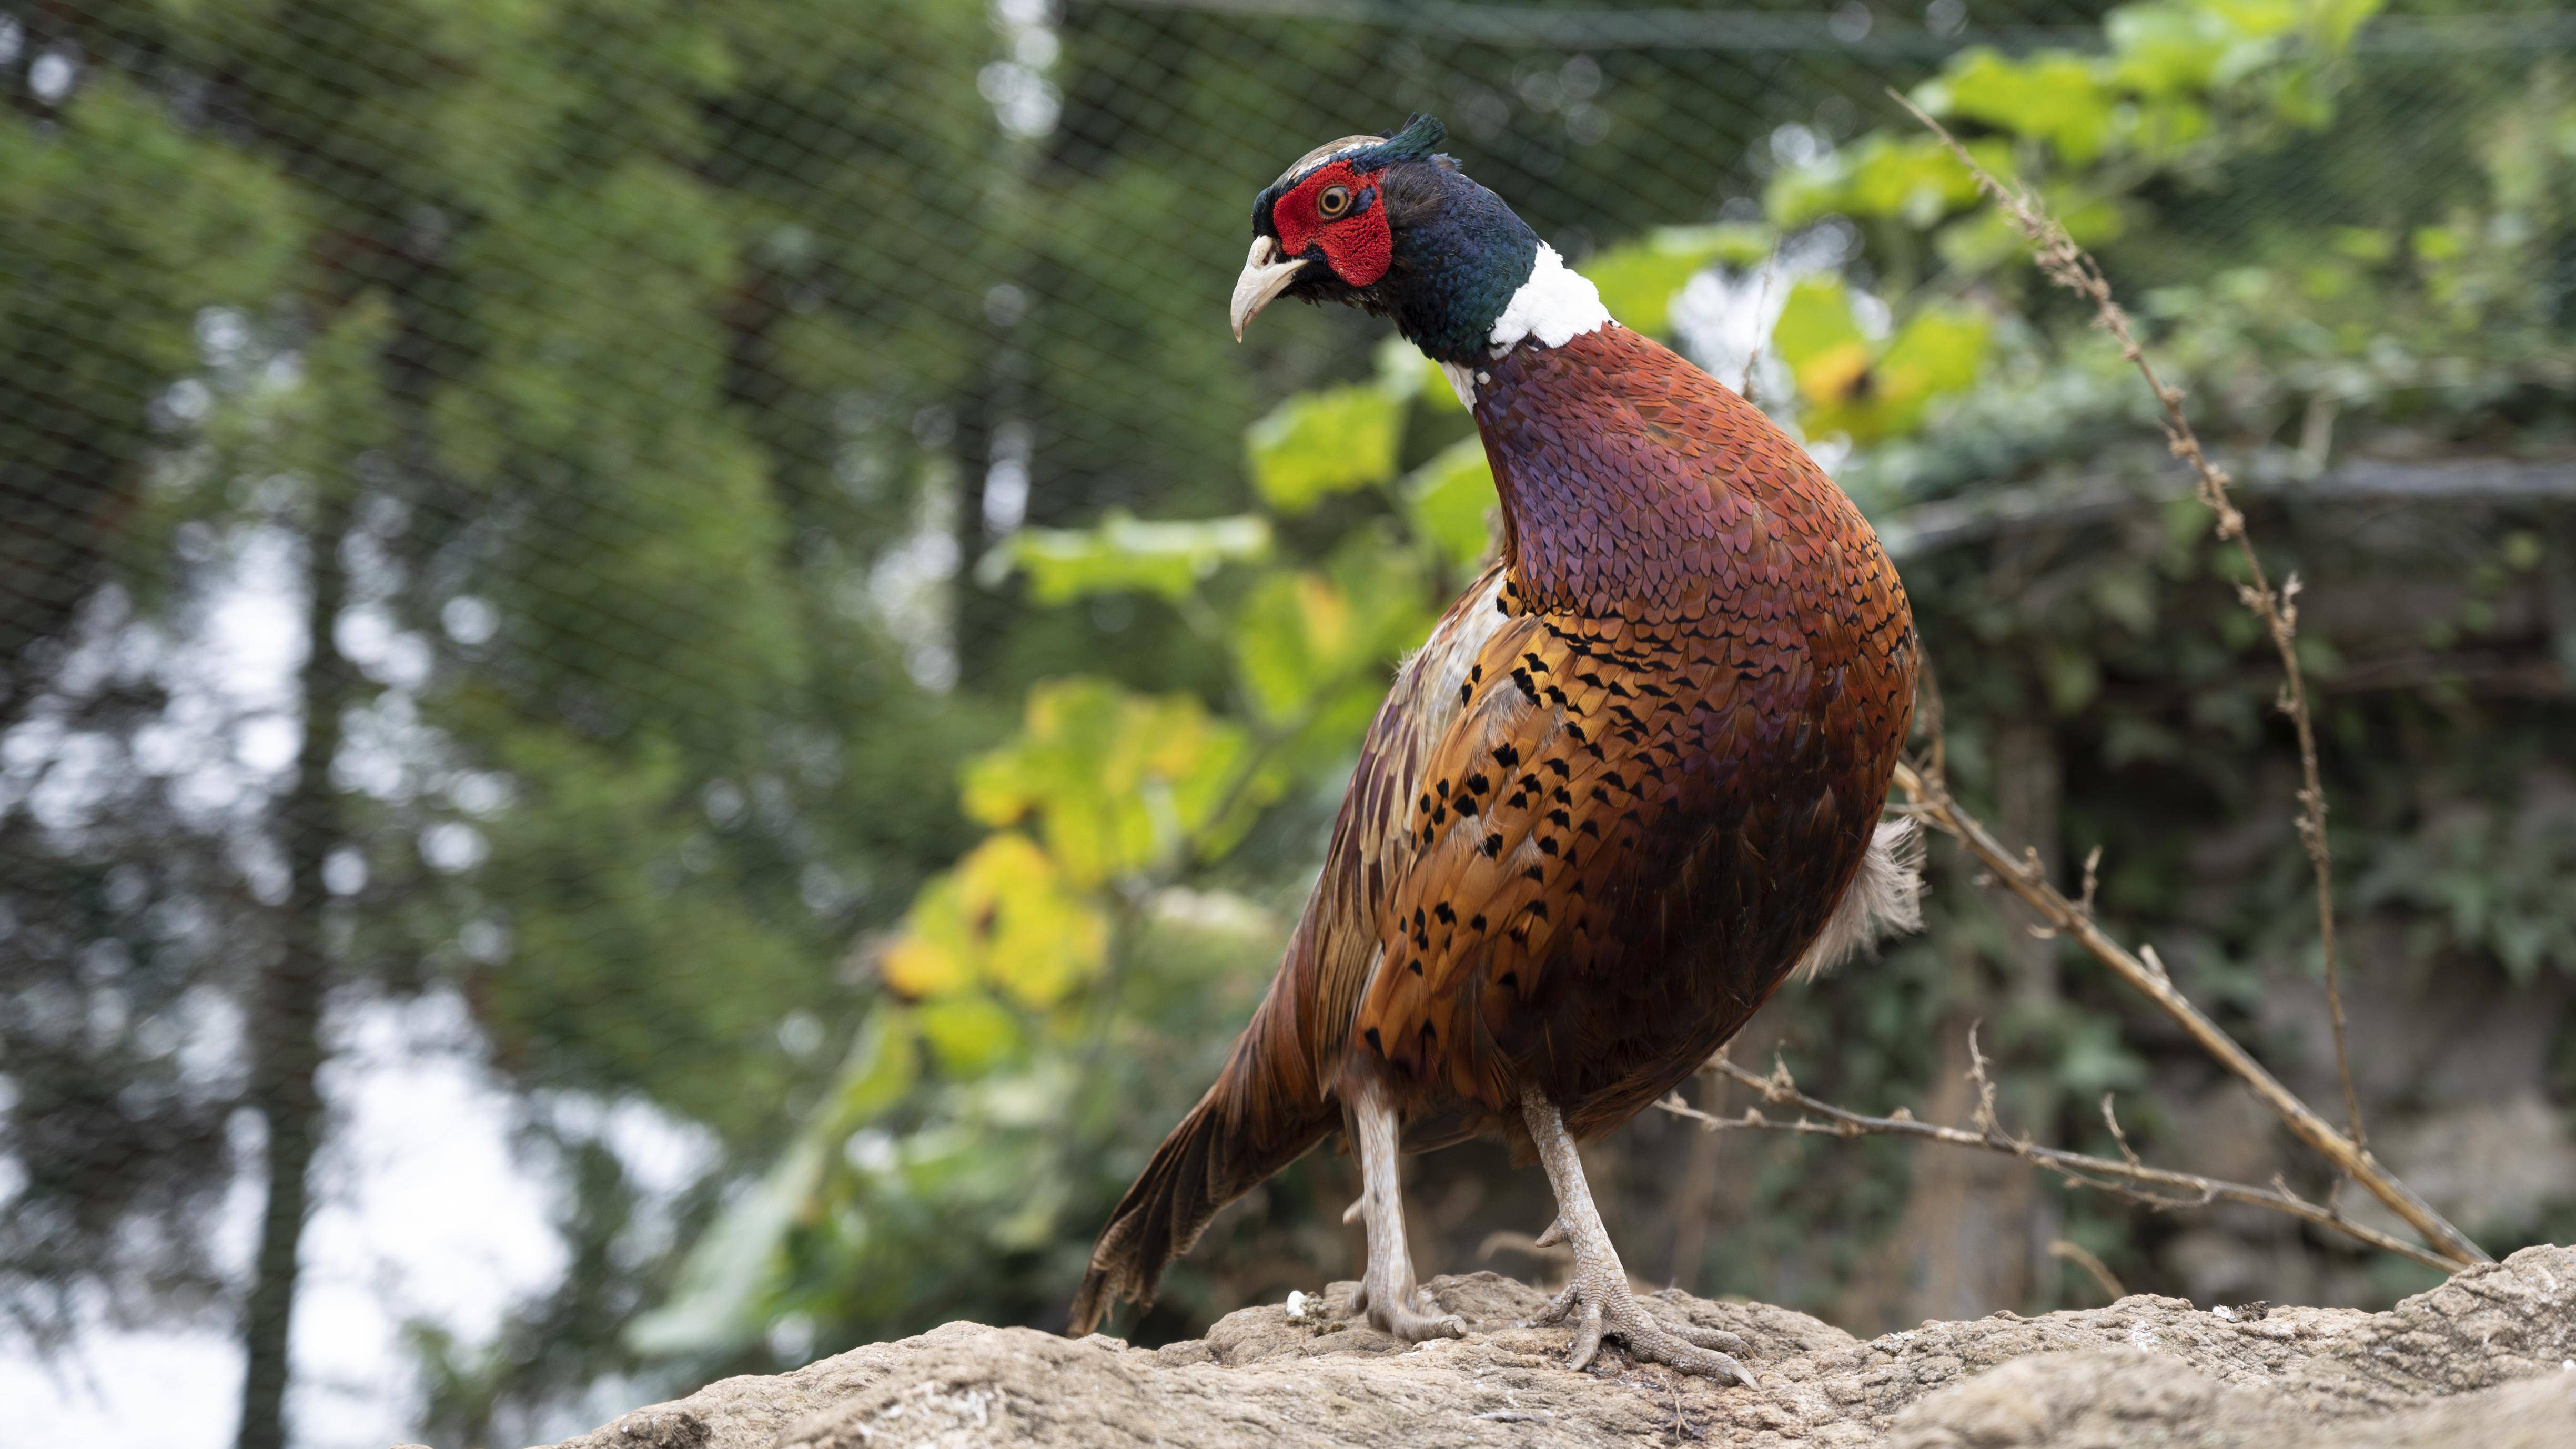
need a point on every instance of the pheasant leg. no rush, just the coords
(1598, 1299)
(1388, 1294)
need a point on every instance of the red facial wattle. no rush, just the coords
(1357, 245)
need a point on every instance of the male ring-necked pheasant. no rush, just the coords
(1632, 782)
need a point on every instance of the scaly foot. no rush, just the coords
(1407, 1312)
(1598, 1299)
(1600, 1304)
(1388, 1295)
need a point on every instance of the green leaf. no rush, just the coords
(1325, 442)
(1116, 782)
(1405, 373)
(1128, 553)
(880, 1068)
(1638, 281)
(1910, 178)
(716, 1303)
(2051, 96)
(1313, 649)
(2166, 48)
(968, 1033)
(1850, 386)
(1451, 499)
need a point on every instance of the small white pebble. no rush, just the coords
(2223, 1313)
(1296, 1306)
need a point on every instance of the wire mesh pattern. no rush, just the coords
(505, 512)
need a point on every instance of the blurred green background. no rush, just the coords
(664, 688)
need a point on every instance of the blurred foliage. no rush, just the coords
(842, 652)
(2182, 89)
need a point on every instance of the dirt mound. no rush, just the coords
(2487, 1360)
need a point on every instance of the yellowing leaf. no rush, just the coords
(1815, 318)
(1325, 442)
(933, 955)
(1115, 782)
(1872, 391)
(1834, 375)
(1006, 916)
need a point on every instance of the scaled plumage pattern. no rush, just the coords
(1609, 807)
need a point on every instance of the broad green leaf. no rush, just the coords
(1817, 336)
(1126, 552)
(1292, 639)
(1937, 351)
(880, 1068)
(933, 956)
(1450, 499)
(716, 1303)
(1313, 649)
(1870, 391)
(1638, 281)
(1912, 178)
(1325, 442)
(2334, 22)
(2052, 96)
(2166, 48)
(1405, 373)
(968, 1033)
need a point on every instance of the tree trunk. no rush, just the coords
(286, 1020)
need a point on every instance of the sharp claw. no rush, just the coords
(1554, 1235)
(1710, 1338)
(1609, 1313)
(1587, 1338)
(1352, 1213)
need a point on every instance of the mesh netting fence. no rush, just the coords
(508, 514)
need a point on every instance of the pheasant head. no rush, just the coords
(1385, 224)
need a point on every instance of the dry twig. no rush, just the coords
(2083, 1257)
(1931, 802)
(2071, 267)
(2158, 1188)
(1761, 329)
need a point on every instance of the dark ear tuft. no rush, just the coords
(1410, 142)
(1414, 139)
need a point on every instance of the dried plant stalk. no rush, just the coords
(2074, 269)
(2130, 1179)
(1931, 801)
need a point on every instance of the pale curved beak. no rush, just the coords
(1264, 277)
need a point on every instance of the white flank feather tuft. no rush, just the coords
(1885, 899)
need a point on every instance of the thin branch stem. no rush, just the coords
(2074, 269)
(2133, 1180)
(1930, 801)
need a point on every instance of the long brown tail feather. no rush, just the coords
(1244, 1130)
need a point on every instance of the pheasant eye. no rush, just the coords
(1335, 201)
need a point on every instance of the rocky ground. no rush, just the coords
(2487, 1360)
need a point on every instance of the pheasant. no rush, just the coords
(1631, 783)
